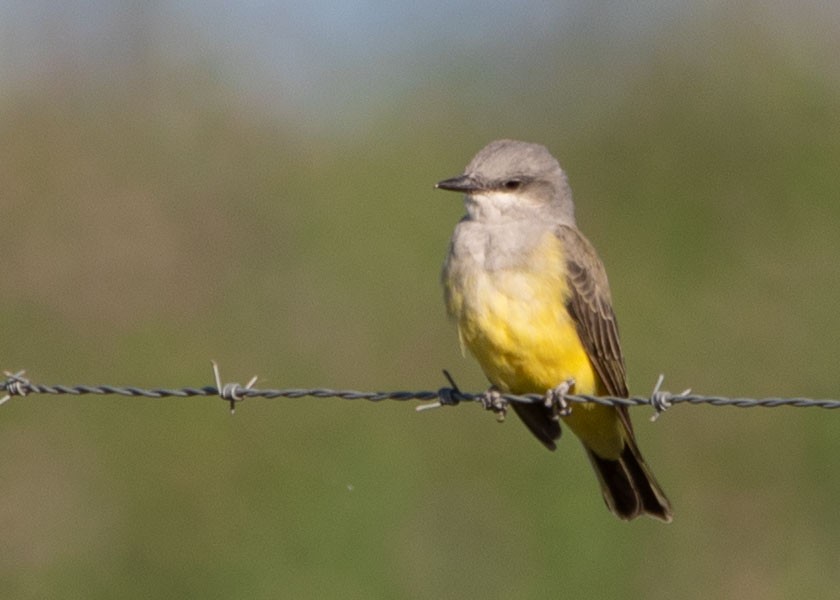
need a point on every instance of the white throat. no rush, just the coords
(489, 207)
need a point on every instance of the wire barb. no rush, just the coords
(446, 396)
(662, 400)
(15, 385)
(231, 392)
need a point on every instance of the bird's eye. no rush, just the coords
(512, 184)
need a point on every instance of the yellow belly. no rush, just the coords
(525, 347)
(516, 325)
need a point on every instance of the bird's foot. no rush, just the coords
(555, 399)
(492, 400)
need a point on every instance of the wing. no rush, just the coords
(590, 305)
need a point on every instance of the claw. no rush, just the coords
(492, 400)
(555, 399)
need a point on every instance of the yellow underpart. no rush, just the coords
(516, 325)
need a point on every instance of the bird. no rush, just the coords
(531, 301)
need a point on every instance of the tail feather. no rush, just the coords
(538, 420)
(628, 486)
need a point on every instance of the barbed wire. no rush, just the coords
(16, 385)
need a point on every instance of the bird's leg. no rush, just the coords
(492, 400)
(555, 399)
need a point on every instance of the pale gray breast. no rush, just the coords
(496, 246)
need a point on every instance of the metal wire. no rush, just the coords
(17, 385)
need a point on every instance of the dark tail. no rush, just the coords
(629, 487)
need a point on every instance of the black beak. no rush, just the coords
(462, 183)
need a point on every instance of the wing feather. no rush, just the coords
(590, 305)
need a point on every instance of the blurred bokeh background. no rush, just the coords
(253, 183)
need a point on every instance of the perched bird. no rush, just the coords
(532, 304)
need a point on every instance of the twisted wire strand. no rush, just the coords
(17, 385)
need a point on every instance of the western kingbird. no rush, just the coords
(532, 304)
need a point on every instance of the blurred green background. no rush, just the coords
(254, 184)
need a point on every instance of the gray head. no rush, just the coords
(509, 179)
